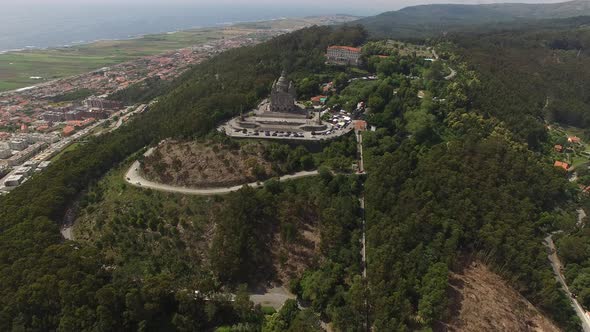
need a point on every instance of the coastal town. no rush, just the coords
(39, 122)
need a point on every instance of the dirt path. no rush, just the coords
(359, 139)
(66, 232)
(581, 216)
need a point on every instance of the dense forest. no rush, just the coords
(543, 71)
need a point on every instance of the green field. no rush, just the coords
(17, 68)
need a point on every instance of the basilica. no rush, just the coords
(280, 116)
(283, 95)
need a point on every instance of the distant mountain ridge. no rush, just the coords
(425, 20)
(548, 10)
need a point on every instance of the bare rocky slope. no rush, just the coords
(484, 302)
(206, 164)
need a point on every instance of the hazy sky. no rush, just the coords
(339, 6)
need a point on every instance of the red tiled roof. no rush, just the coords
(561, 164)
(574, 139)
(68, 130)
(360, 125)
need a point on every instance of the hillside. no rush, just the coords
(53, 284)
(208, 164)
(434, 20)
(448, 174)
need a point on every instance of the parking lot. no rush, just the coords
(338, 124)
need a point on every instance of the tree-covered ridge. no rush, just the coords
(436, 20)
(47, 283)
(534, 79)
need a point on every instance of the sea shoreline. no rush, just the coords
(83, 42)
(139, 36)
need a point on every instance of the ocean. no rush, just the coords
(42, 26)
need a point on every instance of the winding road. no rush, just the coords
(451, 75)
(134, 178)
(453, 71)
(557, 266)
(557, 270)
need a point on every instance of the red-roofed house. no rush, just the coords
(344, 55)
(42, 128)
(327, 87)
(68, 130)
(360, 125)
(562, 164)
(574, 139)
(318, 100)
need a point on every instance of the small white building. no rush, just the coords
(43, 164)
(18, 144)
(14, 180)
(24, 170)
(5, 152)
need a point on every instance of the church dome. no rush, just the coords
(283, 83)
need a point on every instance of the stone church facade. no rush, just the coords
(283, 95)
